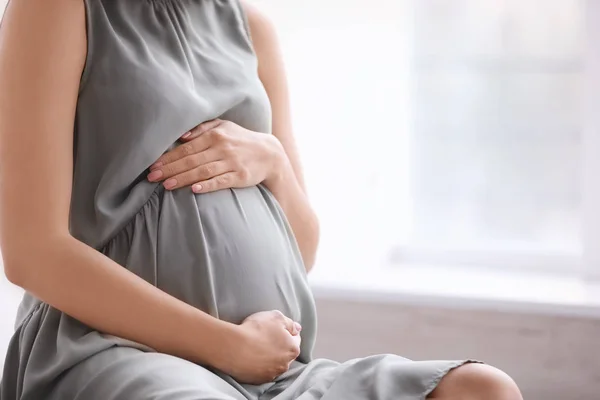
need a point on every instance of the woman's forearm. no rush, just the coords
(286, 181)
(293, 200)
(42, 57)
(92, 288)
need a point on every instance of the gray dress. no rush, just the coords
(156, 69)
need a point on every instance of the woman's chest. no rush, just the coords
(170, 65)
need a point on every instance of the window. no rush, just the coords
(496, 133)
(439, 131)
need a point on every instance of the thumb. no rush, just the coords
(200, 129)
(292, 327)
(297, 340)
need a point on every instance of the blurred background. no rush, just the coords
(451, 150)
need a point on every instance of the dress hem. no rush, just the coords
(442, 373)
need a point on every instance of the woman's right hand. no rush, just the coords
(270, 342)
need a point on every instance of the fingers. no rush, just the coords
(297, 340)
(297, 328)
(202, 173)
(188, 163)
(224, 181)
(290, 325)
(200, 129)
(190, 147)
(195, 141)
(294, 350)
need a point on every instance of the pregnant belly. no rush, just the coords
(230, 253)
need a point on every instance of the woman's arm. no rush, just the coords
(287, 186)
(42, 54)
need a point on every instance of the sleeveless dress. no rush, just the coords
(156, 69)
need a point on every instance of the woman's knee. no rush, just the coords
(477, 382)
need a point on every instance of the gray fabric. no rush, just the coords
(155, 69)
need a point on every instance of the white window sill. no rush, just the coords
(535, 292)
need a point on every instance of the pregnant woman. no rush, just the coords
(153, 209)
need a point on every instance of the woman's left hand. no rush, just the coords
(219, 155)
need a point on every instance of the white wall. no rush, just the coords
(550, 357)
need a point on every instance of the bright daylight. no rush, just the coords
(409, 188)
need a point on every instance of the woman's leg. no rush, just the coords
(122, 373)
(476, 382)
(392, 377)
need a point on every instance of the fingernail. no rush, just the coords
(155, 175)
(298, 326)
(186, 134)
(155, 165)
(196, 188)
(170, 183)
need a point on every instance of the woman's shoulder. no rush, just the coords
(260, 24)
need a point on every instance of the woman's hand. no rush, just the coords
(270, 342)
(218, 155)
